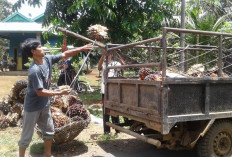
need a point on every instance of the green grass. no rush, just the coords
(105, 137)
(89, 80)
(96, 95)
(37, 148)
(130, 73)
(9, 141)
(97, 113)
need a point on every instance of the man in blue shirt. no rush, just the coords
(37, 101)
(65, 77)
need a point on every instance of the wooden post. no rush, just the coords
(106, 71)
(164, 57)
(80, 37)
(137, 93)
(186, 61)
(182, 35)
(135, 66)
(178, 30)
(220, 56)
(154, 54)
(149, 53)
(155, 142)
(136, 43)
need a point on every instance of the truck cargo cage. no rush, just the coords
(194, 85)
(192, 61)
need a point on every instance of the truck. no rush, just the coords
(182, 110)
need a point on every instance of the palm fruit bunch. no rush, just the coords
(73, 100)
(69, 101)
(5, 105)
(71, 91)
(77, 110)
(196, 70)
(153, 77)
(59, 118)
(4, 123)
(17, 87)
(11, 104)
(22, 93)
(57, 101)
(97, 32)
(67, 108)
(17, 108)
(12, 118)
(143, 72)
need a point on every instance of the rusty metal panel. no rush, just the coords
(186, 99)
(220, 97)
(149, 97)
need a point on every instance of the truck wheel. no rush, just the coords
(217, 142)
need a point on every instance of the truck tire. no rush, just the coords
(217, 142)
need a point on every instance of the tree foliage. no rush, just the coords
(213, 11)
(5, 9)
(126, 19)
(33, 3)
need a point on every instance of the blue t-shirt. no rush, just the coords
(39, 77)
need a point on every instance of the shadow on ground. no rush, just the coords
(137, 148)
(74, 148)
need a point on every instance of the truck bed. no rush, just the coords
(160, 105)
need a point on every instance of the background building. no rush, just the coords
(16, 28)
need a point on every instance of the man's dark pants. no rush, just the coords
(106, 118)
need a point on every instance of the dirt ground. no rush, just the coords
(89, 142)
(6, 82)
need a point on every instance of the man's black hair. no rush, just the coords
(30, 44)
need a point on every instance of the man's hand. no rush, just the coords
(87, 47)
(65, 91)
(61, 66)
(73, 52)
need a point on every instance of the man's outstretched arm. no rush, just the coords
(47, 93)
(73, 52)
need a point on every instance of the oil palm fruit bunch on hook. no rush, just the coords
(98, 32)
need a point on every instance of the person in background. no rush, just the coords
(4, 61)
(111, 73)
(65, 77)
(37, 101)
(12, 65)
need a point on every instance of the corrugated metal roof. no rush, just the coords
(21, 27)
